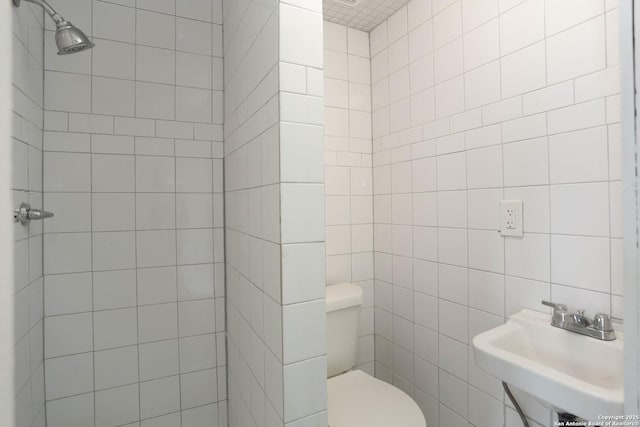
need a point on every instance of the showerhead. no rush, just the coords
(70, 39)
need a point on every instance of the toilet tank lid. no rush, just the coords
(343, 295)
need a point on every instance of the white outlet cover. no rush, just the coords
(511, 218)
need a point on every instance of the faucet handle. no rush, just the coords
(554, 305)
(602, 322)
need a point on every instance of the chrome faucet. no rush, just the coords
(600, 328)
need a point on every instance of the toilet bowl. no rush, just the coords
(355, 398)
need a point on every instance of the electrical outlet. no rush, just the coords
(511, 218)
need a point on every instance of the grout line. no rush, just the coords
(90, 191)
(175, 219)
(135, 216)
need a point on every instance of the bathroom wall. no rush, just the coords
(133, 259)
(275, 253)
(26, 162)
(475, 102)
(348, 170)
(251, 54)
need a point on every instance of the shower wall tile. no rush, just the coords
(115, 59)
(67, 92)
(114, 22)
(134, 286)
(26, 185)
(72, 410)
(496, 102)
(112, 97)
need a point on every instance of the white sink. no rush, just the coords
(566, 371)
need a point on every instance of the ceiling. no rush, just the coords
(364, 16)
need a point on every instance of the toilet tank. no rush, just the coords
(343, 316)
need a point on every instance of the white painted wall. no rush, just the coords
(6, 237)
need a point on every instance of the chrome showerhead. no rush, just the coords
(71, 39)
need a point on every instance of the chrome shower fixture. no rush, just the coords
(69, 39)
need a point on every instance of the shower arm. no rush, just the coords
(57, 18)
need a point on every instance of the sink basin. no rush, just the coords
(566, 371)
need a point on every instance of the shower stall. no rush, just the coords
(117, 182)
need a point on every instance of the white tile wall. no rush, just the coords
(503, 100)
(133, 260)
(275, 235)
(348, 170)
(26, 146)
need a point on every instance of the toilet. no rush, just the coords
(356, 399)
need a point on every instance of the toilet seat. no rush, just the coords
(359, 400)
